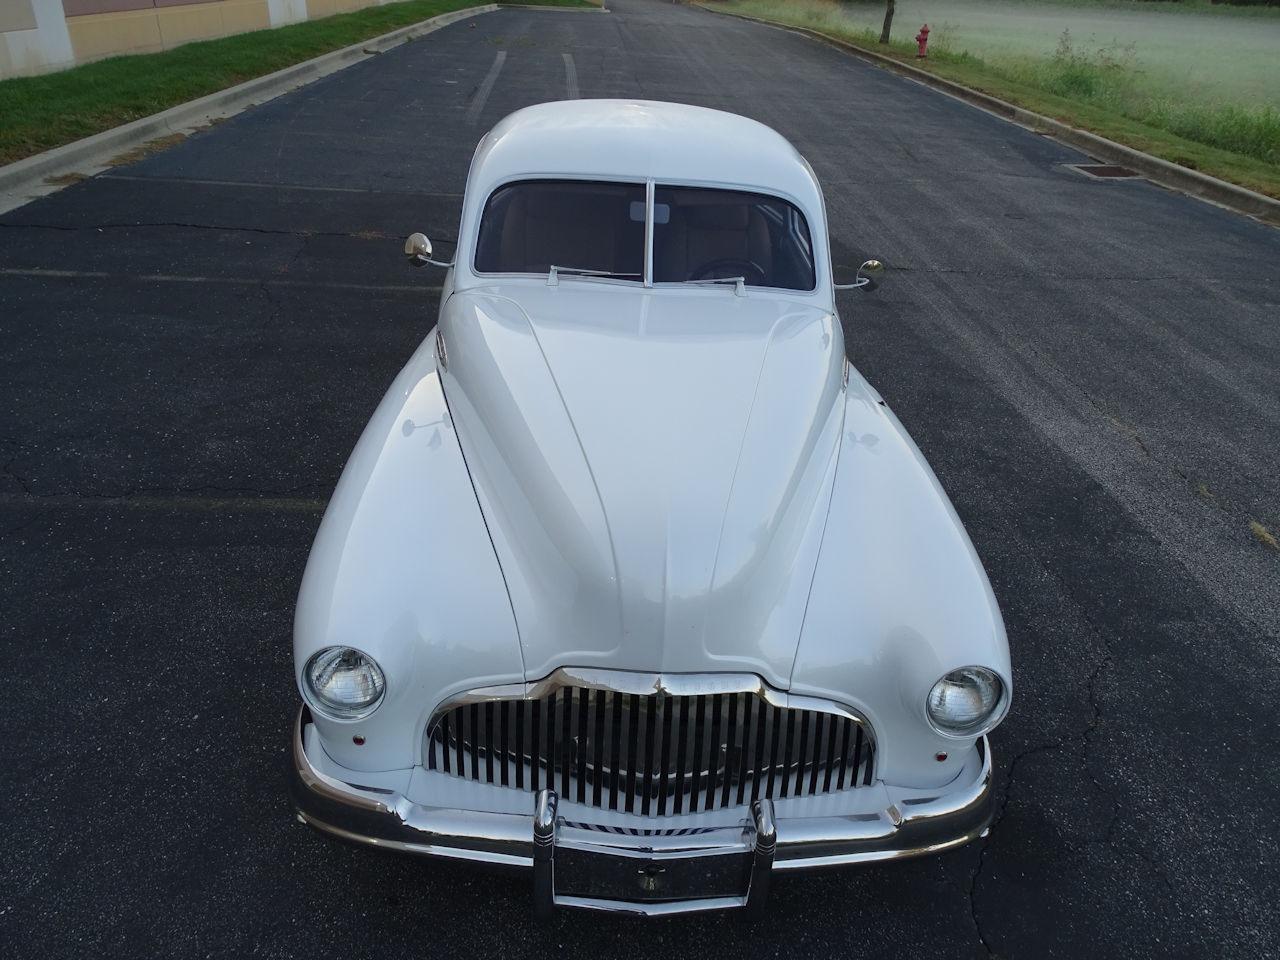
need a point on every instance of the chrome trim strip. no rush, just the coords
(544, 852)
(766, 843)
(648, 234)
(669, 908)
(907, 828)
(624, 682)
(647, 684)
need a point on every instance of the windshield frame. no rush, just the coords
(651, 185)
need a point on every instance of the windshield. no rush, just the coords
(531, 226)
(701, 234)
(597, 229)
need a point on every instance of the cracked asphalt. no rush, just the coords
(193, 343)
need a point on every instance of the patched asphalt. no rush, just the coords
(193, 343)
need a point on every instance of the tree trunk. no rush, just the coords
(888, 21)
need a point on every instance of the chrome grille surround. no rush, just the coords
(651, 744)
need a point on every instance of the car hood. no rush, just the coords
(654, 468)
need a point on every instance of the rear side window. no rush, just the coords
(530, 226)
(702, 234)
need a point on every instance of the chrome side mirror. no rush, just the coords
(870, 273)
(868, 278)
(418, 249)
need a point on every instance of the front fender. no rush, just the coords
(403, 568)
(899, 597)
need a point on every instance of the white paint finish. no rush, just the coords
(649, 463)
(286, 11)
(899, 598)
(403, 569)
(675, 479)
(46, 47)
(638, 140)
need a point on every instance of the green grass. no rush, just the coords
(38, 113)
(1104, 90)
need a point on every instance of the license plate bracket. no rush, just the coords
(651, 871)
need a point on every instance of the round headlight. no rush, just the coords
(965, 701)
(344, 683)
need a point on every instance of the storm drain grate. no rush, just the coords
(1104, 171)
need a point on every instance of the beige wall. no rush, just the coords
(78, 31)
(17, 15)
(147, 30)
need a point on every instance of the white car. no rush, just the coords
(632, 579)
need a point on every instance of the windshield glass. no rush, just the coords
(701, 234)
(530, 226)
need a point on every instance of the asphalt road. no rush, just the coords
(193, 343)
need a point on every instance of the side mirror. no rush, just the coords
(418, 249)
(870, 273)
(868, 278)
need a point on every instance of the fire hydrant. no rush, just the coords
(922, 38)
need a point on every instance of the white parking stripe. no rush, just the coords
(245, 281)
(571, 76)
(486, 88)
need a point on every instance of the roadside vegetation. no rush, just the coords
(38, 113)
(1194, 83)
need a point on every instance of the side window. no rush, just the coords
(702, 234)
(530, 226)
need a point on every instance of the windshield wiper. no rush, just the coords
(739, 284)
(553, 275)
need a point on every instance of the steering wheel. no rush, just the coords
(750, 271)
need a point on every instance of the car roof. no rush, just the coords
(639, 140)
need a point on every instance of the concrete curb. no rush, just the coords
(1167, 174)
(27, 179)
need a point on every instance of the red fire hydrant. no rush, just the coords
(922, 38)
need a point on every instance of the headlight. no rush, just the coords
(965, 702)
(344, 683)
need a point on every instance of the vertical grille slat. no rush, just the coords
(580, 743)
(633, 722)
(664, 758)
(801, 745)
(814, 748)
(715, 735)
(655, 754)
(682, 753)
(615, 755)
(746, 747)
(566, 741)
(732, 750)
(504, 735)
(487, 738)
(836, 726)
(844, 755)
(600, 752)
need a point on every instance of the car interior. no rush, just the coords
(700, 234)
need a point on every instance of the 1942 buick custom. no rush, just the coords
(632, 579)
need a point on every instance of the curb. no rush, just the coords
(1167, 174)
(27, 179)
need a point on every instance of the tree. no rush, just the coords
(888, 21)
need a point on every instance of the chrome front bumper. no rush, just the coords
(641, 869)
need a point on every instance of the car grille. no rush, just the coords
(652, 754)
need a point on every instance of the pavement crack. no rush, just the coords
(188, 225)
(1082, 742)
(140, 492)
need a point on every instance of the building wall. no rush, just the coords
(33, 37)
(37, 36)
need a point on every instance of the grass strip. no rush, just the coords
(42, 112)
(1232, 143)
